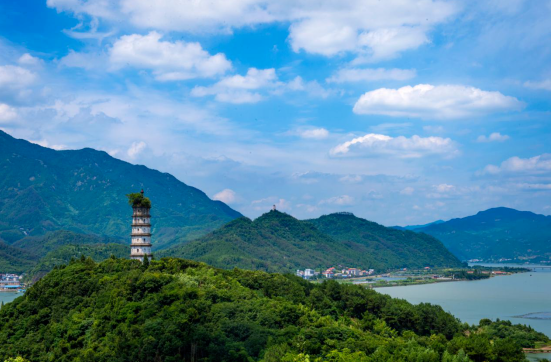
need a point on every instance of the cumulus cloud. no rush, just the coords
(227, 196)
(494, 137)
(169, 61)
(318, 133)
(372, 29)
(7, 112)
(312, 88)
(408, 191)
(239, 89)
(434, 102)
(28, 60)
(539, 85)
(370, 74)
(414, 147)
(534, 165)
(15, 76)
(136, 148)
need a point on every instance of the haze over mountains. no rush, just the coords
(498, 233)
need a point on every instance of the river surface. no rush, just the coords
(503, 297)
(9, 296)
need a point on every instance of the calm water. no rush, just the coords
(9, 296)
(501, 297)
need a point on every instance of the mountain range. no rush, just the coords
(278, 242)
(43, 190)
(497, 233)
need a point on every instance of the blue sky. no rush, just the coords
(402, 112)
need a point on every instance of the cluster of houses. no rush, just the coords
(9, 282)
(334, 273)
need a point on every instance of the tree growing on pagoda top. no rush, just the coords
(137, 200)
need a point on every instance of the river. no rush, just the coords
(503, 297)
(9, 296)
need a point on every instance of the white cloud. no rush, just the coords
(494, 137)
(539, 85)
(136, 148)
(343, 200)
(408, 191)
(371, 28)
(15, 76)
(414, 147)
(238, 89)
(351, 178)
(535, 165)
(534, 186)
(444, 187)
(370, 74)
(312, 88)
(227, 196)
(169, 61)
(45, 144)
(7, 112)
(434, 102)
(319, 133)
(28, 60)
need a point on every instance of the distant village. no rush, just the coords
(334, 273)
(10, 282)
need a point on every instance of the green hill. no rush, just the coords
(84, 191)
(178, 310)
(495, 234)
(277, 242)
(15, 260)
(384, 247)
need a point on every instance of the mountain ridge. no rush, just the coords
(84, 191)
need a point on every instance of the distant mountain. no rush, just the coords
(84, 191)
(277, 242)
(385, 247)
(416, 227)
(495, 234)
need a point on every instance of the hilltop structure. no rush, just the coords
(141, 226)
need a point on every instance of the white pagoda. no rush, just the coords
(141, 232)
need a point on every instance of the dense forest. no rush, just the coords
(174, 309)
(277, 242)
(386, 247)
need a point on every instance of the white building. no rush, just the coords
(141, 234)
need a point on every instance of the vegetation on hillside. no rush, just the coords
(496, 233)
(174, 309)
(277, 242)
(15, 260)
(385, 248)
(83, 190)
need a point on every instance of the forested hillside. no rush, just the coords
(84, 191)
(496, 233)
(174, 310)
(385, 247)
(277, 242)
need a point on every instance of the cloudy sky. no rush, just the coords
(401, 111)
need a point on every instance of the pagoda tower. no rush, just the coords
(141, 233)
